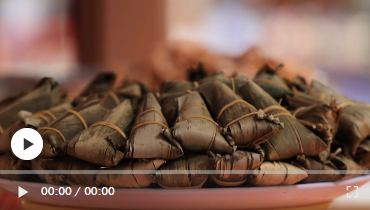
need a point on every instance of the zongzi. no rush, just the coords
(346, 162)
(269, 81)
(10, 162)
(195, 129)
(241, 121)
(330, 174)
(70, 163)
(321, 118)
(169, 106)
(68, 125)
(354, 126)
(101, 83)
(103, 142)
(295, 139)
(300, 99)
(132, 179)
(187, 163)
(178, 86)
(363, 153)
(27, 119)
(46, 94)
(325, 93)
(130, 89)
(146, 139)
(287, 174)
(298, 83)
(239, 160)
(235, 83)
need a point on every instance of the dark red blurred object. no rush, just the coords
(9, 202)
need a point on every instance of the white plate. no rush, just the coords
(205, 198)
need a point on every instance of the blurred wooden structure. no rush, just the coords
(111, 32)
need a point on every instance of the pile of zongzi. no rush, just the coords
(212, 130)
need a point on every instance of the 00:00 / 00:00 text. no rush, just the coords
(68, 191)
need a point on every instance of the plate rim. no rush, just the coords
(363, 178)
(195, 194)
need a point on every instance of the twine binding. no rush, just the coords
(250, 106)
(79, 117)
(53, 129)
(110, 125)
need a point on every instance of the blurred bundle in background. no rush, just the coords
(157, 40)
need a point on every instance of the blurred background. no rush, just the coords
(157, 40)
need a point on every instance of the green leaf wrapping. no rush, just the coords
(183, 181)
(244, 123)
(146, 139)
(195, 129)
(101, 144)
(294, 140)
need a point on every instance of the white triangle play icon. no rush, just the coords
(21, 192)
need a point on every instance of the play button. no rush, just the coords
(26, 144)
(21, 192)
